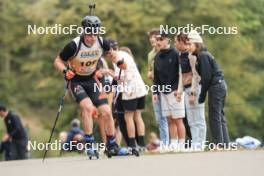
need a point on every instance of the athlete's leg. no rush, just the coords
(118, 135)
(106, 114)
(111, 145)
(86, 115)
(101, 124)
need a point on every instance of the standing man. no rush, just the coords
(162, 121)
(166, 79)
(16, 134)
(82, 55)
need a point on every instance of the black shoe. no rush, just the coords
(134, 151)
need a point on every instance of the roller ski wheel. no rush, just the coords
(92, 154)
(108, 154)
(135, 152)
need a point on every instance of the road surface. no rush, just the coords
(240, 163)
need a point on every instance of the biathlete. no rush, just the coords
(82, 55)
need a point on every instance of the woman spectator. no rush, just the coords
(189, 83)
(212, 80)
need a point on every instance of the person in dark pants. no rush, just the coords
(212, 80)
(5, 148)
(16, 134)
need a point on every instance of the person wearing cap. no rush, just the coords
(74, 136)
(166, 79)
(189, 83)
(16, 136)
(161, 120)
(212, 81)
(82, 56)
(133, 94)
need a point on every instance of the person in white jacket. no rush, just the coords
(133, 93)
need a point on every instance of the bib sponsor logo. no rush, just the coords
(89, 54)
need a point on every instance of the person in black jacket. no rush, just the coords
(212, 81)
(16, 134)
(5, 148)
(166, 79)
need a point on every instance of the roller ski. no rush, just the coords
(134, 151)
(90, 150)
(112, 149)
(115, 150)
(92, 153)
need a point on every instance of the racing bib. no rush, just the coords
(84, 63)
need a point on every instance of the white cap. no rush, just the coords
(195, 37)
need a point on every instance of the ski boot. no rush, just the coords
(115, 150)
(134, 151)
(90, 150)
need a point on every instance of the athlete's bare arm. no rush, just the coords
(59, 64)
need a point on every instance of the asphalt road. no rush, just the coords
(240, 163)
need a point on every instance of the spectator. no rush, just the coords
(75, 135)
(133, 94)
(189, 83)
(212, 80)
(16, 134)
(118, 108)
(161, 120)
(166, 78)
(127, 50)
(5, 148)
(154, 142)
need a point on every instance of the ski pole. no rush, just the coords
(57, 117)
